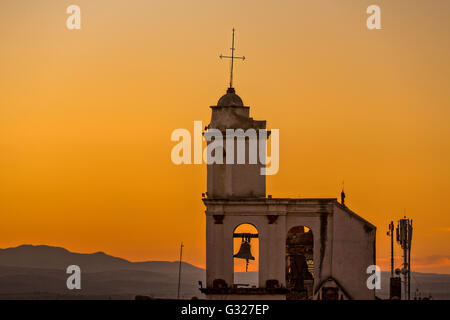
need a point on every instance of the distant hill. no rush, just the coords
(47, 257)
(39, 272)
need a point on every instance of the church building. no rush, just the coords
(314, 248)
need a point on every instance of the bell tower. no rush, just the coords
(237, 176)
(233, 186)
(236, 181)
(240, 173)
(298, 238)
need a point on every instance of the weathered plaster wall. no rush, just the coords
(235, 180)
(353, 252)
(343, 242)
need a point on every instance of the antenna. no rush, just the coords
(391, 234)
(404, 238)
(179, 270)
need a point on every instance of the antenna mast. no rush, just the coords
(391, 233)
(179, 270)
(404, 238)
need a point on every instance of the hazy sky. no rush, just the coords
(86, 116)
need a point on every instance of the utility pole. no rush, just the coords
(179, 270)
(410, 228)
(391, 233)
(405, 270)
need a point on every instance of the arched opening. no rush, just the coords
(246, 256)
(300, 263)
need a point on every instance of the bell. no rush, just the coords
(244, 252)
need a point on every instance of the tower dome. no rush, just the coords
(230, 99)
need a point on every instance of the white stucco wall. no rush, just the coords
(343, 242)
(353, 252)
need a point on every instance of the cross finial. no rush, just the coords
(232, 57)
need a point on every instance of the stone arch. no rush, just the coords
(238, 224)
(299, 273)
(246, 241)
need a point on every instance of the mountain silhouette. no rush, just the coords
(48, 257)
(39, 272)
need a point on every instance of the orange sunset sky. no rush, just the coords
(86, 116)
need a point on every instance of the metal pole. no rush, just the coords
(391, 230)
(409, 273)
(409, 257)
(179, 271)
(405, 268)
